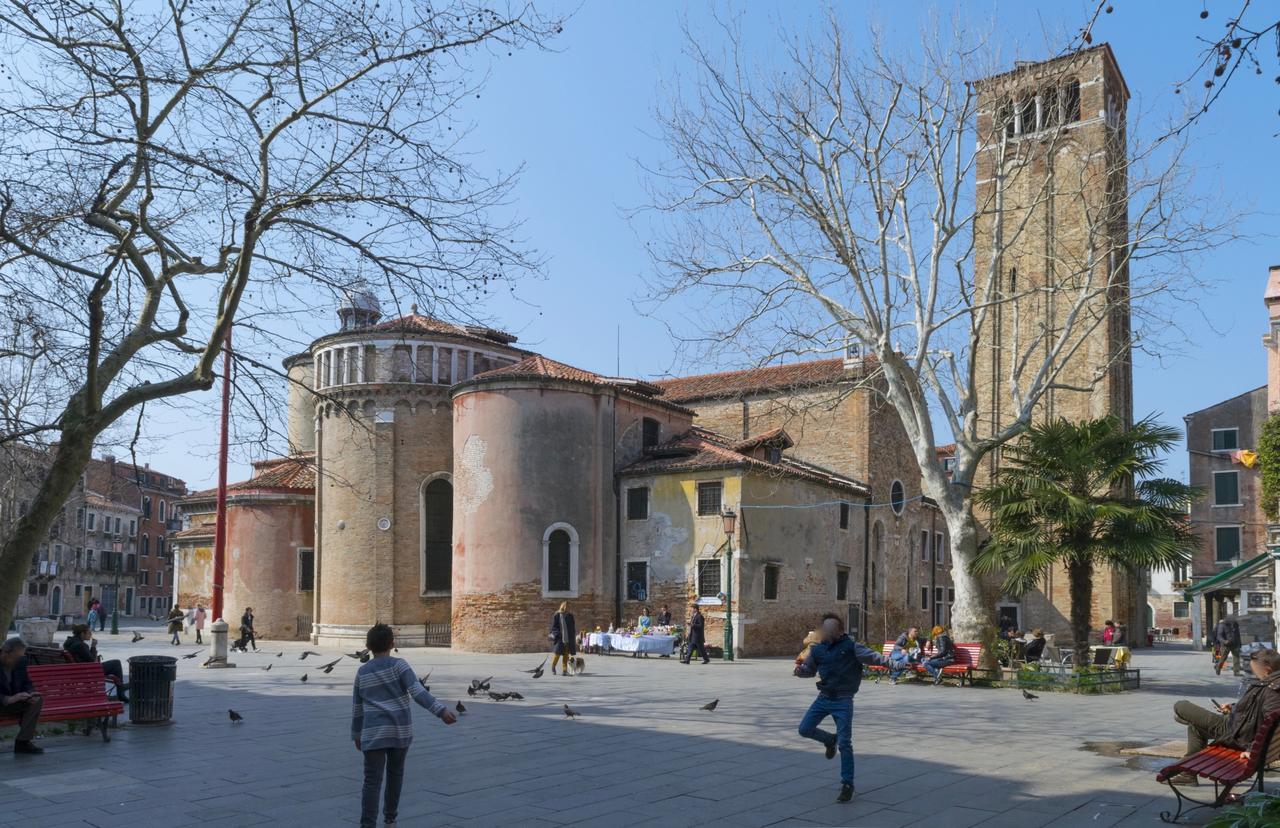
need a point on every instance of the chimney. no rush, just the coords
(1271, 339)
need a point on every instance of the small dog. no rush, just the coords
(579, 665)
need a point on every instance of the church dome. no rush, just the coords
(360, 309)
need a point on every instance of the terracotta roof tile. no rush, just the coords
(296, 472)
(417, 323)
(755, 380)
(949, 450)
(699, 449)
(776, 437)
(537, 366)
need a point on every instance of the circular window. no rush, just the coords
(384, 523)
(897, 497)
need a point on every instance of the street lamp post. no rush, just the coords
(730, 523)
(117, 547)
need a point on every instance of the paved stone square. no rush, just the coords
(642, 752)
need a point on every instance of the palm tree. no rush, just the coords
(1085, 495)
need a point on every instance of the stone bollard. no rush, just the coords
(218, 645)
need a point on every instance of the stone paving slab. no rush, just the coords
(640, 754)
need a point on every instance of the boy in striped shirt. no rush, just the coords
(381, 724)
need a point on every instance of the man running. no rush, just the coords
(837, 660)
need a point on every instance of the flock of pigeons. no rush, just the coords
(478, 687)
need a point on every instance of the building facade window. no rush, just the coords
(1181, 609)
(93, 522)
(940, 547)
(651, 432)
(163, 512)
(709, 578)
(1226, 543)
(709, 498)
(1225, 439)
(159, 578)
(771, 573)
(924, 545)
(306, 569)
(842, 583)
(1226, 488)
(146, 508)
(436, 517)
(924, 597)
(637, 580)
(638, 503)
(146, 545)
(560, 561)
(897, 497)
(844, 515)
(79, 518)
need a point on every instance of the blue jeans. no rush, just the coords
(374, 762)
(898, 662)
(841, 710)
(934, 665)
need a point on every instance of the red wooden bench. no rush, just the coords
(967, 657)
(72, 692)
(1225, 767)
(56, 655)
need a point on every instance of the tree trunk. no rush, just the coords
(970, 616)
(1080, 582)
(69, 462)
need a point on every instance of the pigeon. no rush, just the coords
(235, 717)
(279, 653)
(569, 712)
(361, 656)
(1029, 696)
(210, 661)
(471, 691)
(514, 695)
(460, 708)
(710, 706)
(537, 673)
(306, 653)
(137, 637)
(478, 684)
(537, 670)
(268, 667)
(497, 696)
(328, 668)
(427, 676)
(304, 677)
(196, 653)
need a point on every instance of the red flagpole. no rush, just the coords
(220, 528)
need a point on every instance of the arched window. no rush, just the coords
(146, 508)
(560, 561)
(436, 515)
(162, 511)
(897, 497)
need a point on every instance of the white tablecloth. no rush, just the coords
(661, 644)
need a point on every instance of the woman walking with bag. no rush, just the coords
(564, 638)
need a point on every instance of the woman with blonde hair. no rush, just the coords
(564, 638)
(944, 652)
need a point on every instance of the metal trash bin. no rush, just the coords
(151, 689)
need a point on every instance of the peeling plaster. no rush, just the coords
(664, 539)
(475, 481)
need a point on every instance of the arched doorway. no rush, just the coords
(437, 537)
(55, 601)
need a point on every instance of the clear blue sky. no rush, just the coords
(581, 118)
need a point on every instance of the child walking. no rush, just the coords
(381, 725)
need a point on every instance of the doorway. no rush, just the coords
(55, 601)
(437, 537)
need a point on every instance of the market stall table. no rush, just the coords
(623, 643)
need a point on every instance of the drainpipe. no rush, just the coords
(617, 520)
(866, 562)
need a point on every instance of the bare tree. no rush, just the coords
(170, 169)
(838, 198)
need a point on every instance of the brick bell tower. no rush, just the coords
(1051, 226)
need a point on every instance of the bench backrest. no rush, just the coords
(46, 655)
(1266, 743)
(970, 654)
(69, 682)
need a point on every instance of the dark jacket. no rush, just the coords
(1260, 699)
(664, 618)
(80, 650)
(564, 633)
(944, 648)
(838, 666)
(697, 629)
(246, 623)
(1035, 649)
(175, 620)
(1227, 634)
(16, 682)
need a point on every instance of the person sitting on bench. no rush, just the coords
(18, 697)
(1035, 647)
(83, 648)
(906, 650)
(944, 652)
(1233, 725)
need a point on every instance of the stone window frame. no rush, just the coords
(708, 600)
(1239, 530)
(422, 536)
(1216, 504)
(572, 592)
(297, 555)
(898, 497)
(776, 568)
(648, 579)
(1213, 432)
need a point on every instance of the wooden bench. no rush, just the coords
(1225, 767)
(72, 692)
(967, 657)
(39, 656)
